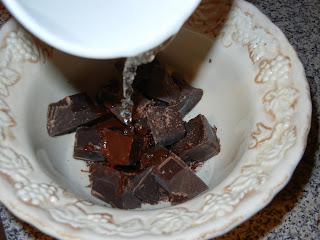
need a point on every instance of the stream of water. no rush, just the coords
(128, 75)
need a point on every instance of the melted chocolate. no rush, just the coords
(113, 187)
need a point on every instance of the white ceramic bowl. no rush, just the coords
(100, 28)
(255, 93)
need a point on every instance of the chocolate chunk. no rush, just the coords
(139, 146)
(143, 75)
(141, 126)
(87, 145)
(71, 112)
(116, 109)
(140, 121)
(160, 103)
(111, 99)
(146, 189)
(109, 92)
(161, 86)
(145, 70)
(166, 124)
(189, 96)
(112, 186)
(117, 148)
(200, 142)
(153, 156)
(140, 105)
(178, 180)
(112, 123)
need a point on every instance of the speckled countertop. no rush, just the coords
(295, 211)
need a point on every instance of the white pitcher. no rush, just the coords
(102, 28)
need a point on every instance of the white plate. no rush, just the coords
(255, 93)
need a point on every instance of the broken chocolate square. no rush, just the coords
(109, 93)
(112, 186)
(153, 156)
(161, 86)
(146, 187)
(112, 123)
(178, 180)
(111, 99)
(140, 105)
(200, 142)
(139, 118)
(141, 126)
(71, 112)
(143, 75)
(87, 145)
(117, 148)
(166, 124)
(189, 96)
(139, 146)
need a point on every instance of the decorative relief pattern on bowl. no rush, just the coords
(18, 46)
(270, 142)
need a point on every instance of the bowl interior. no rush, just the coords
(220, 72)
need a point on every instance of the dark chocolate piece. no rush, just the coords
(141, 126)
(140, 105)
(108, 93)
(112, 123)
(117, 148)
(178, 180)
(159, 103)
(140, 121)
(71, 112)
(189, 96)
(200, 142)
(161, 86)
(153, 156)
(112, 186)
(139, 146)
(87, 145)
(111, 99)
(166, 124)
(146, 187)
(143, 75)
(145, 70)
